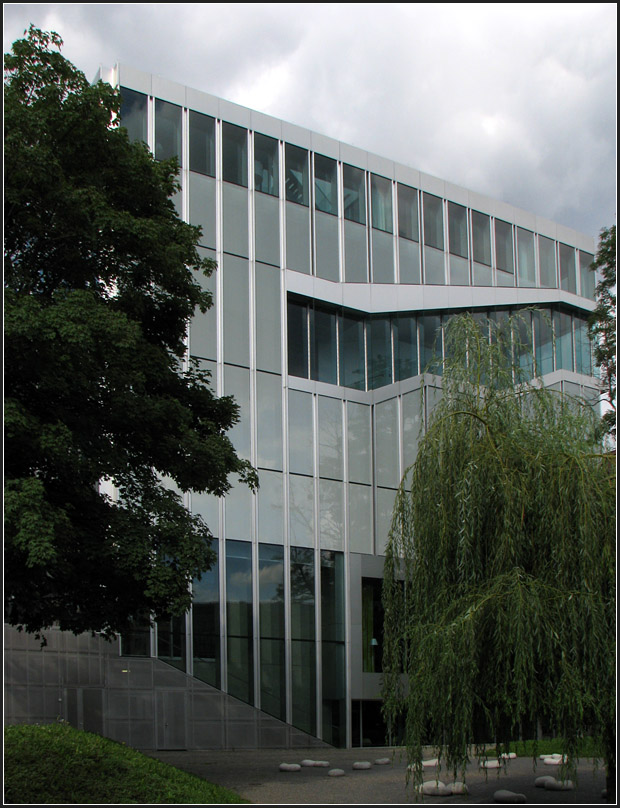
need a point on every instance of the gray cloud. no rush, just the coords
(513, 100)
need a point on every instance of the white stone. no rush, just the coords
(555, 760)
(493, 763)
(508, 755)
(430, 762)
(541, 782)
(307, 762)
(289, 767)
(322, 764)
(336, 772)
(457, 787)
(362, 764)
(503, 795)
(434, 788)
(382, 761)
(560, 785)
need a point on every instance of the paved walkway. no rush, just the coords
(255, 775)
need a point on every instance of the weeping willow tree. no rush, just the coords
(504, 535)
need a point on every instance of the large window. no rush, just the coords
(433, 221)
(271, 599)
(206, 626)
(325, 184)
(546, 258)
(239, 620)
(354, 194)
(134, 114)
(568, 277)
(504, 253)
(333, 648)
(201, 143)
(526, 257)
(303, 640)
(266, 165)
(457, 228)
(372, 625)
(381, 199)
(234, 154)
(167, 130)
(481, 237)
(408, 213)
(297, 316)
(296, 175)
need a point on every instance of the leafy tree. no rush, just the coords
(603, 323)
(101, 278)
(504, 533)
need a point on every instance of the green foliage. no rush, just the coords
(101, 279)
(602, 323)
(504, 532)
(54, 763)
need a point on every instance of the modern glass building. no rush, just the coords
(336, 272)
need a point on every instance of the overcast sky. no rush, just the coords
(517, 101)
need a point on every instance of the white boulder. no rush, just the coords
(289, 767)
(503, 795)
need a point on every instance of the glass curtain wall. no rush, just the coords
(206, 626)
(271, 617)
(240, 657)
(303, 640)
(333, 647)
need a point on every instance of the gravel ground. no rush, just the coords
(255, 775)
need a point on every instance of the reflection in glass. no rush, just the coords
(303, 645)
(266, 164)
(526, 257)
(568, 278)
(457, 226)
(206, 625)
(503, 246)
(271, 620)
(134, 114)
(481, 237)
(296, 174)
(325, 184)
(381, 198)
(583, 347)
(354, 194)
(167, 130)
(323, 346)
(408, 213)
(201, 143)
(379, 346)
(171, 641)
(333, 657)
(352, 365)
(546, 257)
(562, 327)
(543, 341)
(433, 221)
(297, 317)
(430, 343)
(330, 438)
(239, 620)
(234, 154)
(300, 432)
(588, 278)
(372, 625)
(359, 442)
(136, 639)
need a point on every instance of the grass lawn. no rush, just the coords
(54, 763)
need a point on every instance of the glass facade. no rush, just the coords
(328, 373)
